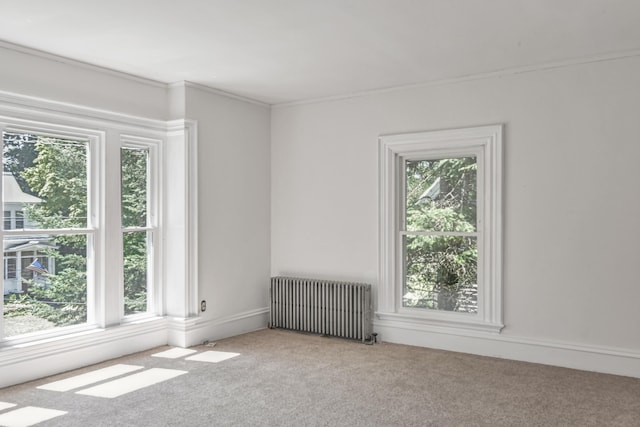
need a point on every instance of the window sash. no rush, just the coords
(152, 147)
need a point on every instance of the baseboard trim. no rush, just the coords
(189, 332)
(28, 361)
(606, 360)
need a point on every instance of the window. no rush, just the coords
(441, 228)
(64, 269)
(53, 173)
(440, 237)
(13, 222)
(139, 228)
(19, 219)
(9, 267)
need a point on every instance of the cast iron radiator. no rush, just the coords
(340, 309)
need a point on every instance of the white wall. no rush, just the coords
(54, 79)
(234, 213)
(571, 201)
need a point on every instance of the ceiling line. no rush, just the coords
(81, 64)
(611, 56)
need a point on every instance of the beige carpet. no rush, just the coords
(285, 378)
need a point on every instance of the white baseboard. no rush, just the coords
(597, 359)
(37, 359)
(31, 360)
(189, 332)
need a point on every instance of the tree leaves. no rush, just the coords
(55, 170)
(440, 269)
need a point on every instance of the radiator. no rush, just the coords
(339, 309)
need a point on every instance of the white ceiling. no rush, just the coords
(286, 50)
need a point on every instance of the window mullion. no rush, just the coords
(109, 297)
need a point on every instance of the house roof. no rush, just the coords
(29, 245)
(12, 193)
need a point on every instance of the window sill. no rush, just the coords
(31, 347)
(46, 356)
(55, 334)
(438, 322)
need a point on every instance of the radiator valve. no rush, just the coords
(373, 338)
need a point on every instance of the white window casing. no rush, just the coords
(107, 132)
(484, 143)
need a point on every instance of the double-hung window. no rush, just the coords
(139, 221)
(80, 251)
(47, 185)
(441, 228)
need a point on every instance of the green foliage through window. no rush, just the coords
(134, 184)
(440, 246)
(55, 171)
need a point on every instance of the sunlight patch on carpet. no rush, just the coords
(131, 383)
(212, 356)
(6, 405)
(174, 353)
(90, 377)
(28, 416)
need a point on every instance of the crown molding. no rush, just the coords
(74, 62)
(205, 88)
(611, 56)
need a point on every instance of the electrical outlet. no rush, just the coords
(203, 305)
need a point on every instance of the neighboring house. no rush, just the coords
(21, 252)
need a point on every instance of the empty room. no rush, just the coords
(305, 212)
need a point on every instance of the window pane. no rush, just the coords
(45, 283)
(134, 186)
(136, 277)
(441, 194)
(19, 220)
(9, 268)
(7, 220)
(441, 273)
(44, 181)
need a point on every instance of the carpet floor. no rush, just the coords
(282, 378)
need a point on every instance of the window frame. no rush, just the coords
(95, 140)
(483, 142)
(154, 251)
(104, 308)
(403, 233)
